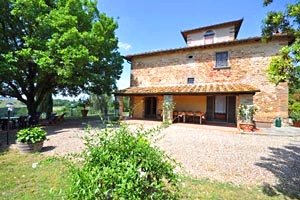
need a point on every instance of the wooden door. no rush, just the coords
(150, 107)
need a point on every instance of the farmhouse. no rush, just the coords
(209, 78)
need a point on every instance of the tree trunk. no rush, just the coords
(31, 108)
(46, 105)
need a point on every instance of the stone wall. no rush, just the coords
(247, 64)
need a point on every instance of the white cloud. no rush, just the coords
(124, 46)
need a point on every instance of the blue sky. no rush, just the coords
(147, 25)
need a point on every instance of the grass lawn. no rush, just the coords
(32, 176)
(21, 179)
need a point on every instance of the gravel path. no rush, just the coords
(206, 153)
(236, 158)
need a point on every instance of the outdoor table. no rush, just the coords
(189, 116)
(200, 115)
(3, 121)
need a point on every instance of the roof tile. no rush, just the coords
(208, 88)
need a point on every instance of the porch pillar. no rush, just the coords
(283, 101)
(168, 107)
(121, 106)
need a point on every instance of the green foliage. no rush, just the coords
(31, 135)
(49, 180)
(281, 67)
(168, 108)
(126, 103)
(62, 102)
(102, 104)
(65, 47)
(295, 111)
(246, 112)
(122, 164)
(284, 67)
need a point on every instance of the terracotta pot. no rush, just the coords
(84, 113)
(30, 147)
(246, 127)
(296, 123)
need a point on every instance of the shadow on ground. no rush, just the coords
(284, 163)
(8, 138)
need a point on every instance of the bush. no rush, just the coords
(295, 111)
(31, 135)
(121, 164)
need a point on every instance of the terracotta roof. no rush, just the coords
(237, 24)
(288, 38)
(190, 89)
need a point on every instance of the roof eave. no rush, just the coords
(186, 93)
(290, 38)
(236, 23)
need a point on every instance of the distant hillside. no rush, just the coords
(17, 104)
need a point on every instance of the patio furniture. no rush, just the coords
(12, 122)
(61, 118)
(181, 115)
(200, 115)
(23, 122)
(175, 116)
(189, 116)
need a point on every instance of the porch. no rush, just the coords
(193, 109)
(222, 127)
(214, 103)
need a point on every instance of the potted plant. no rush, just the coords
(84, 103)
(31, 139)
(168, 108)
(295, 113)
(296, 119)
(246, 113)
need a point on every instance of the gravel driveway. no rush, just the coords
(207, 153)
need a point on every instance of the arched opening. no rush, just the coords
(209, 37)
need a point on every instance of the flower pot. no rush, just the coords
(246, 127)
(84, 113)
(296, 123)
(30, 147)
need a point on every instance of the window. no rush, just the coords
(222, 59)
(209, 37)
(220, 104)
(190, 80)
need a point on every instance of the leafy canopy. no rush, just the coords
(285, 67)
(51, 46)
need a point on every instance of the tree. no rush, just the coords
(284, 67)
(102, 103)
(56, 46)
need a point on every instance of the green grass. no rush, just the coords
(205, 189)
(19, 180)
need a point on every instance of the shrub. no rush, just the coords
(246, 113)
(121, 164)
(295, 111)
(31, 135)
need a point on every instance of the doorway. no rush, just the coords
(221, 108)
(150, 107)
